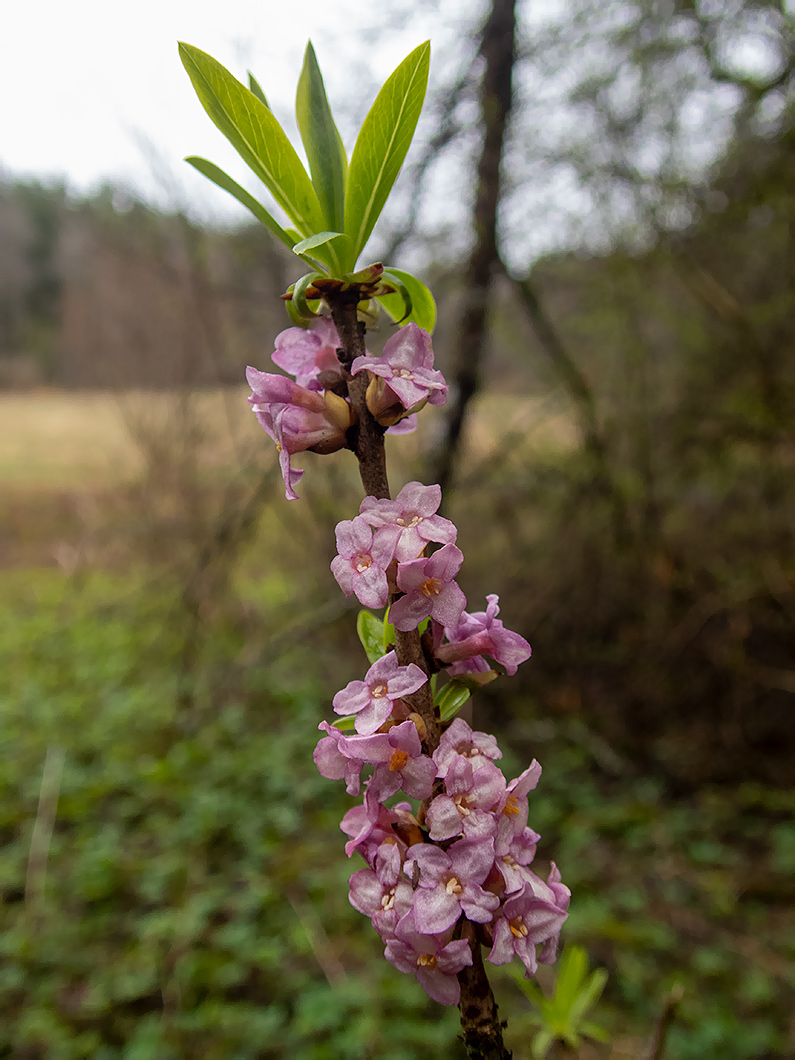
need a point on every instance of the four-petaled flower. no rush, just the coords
(414, 512)
(534, 915)
(449, 883)
(479, 634)
(298, 420)
(433, 960)
(429, 590)
(471, 796)
(310, 354)
(460, 740)
(371, 700)
(364, 556)
(383, 893)
(406, 366)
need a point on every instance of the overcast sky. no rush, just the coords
(88, 86)
(95, 91)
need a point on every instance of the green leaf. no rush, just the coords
(333, 246)
(541, 1044)
(371, 634)
(299, 299)
(294, 315)
(346, 724)
(423, 306)
(256, 88)
(382, 144)
(588, 995)
(223, 180)
(571, 976)
(593, 1030)
(388, 636)
(400, 295)
(451, 699)
(257, 137)
(328, 163)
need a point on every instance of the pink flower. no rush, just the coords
(310, 354)
(478, 634)
(471, 796)
(434, 962)
(298, 420)
(372, 699)
(429, 590)
(335, 760)
(406, 366)
(414, 512)
(460, 740)
(513, 852)
(368, 825)
(532, 917)
(401, 764)
(397, 754)
(513, 807)
(449, 883)
(363, 559)
(382, 893)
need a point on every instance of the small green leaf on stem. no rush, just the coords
(422, 310)
(345, 724)
(451, 699)
(371, 634)
(300, 303)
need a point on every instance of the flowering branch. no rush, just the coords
(449, 872)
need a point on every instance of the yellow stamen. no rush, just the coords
(431, 587)
(397, 761)
(426, 960)
(518, 928)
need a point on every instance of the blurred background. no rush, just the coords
(602, 197)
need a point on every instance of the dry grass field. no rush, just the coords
(70, 459)
(61, 440)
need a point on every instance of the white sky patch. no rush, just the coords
(96, 91)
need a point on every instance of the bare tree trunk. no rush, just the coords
(497, 46)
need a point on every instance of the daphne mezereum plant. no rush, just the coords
(450, 872)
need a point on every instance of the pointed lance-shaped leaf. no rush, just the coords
(322, 142)
(223, 180)
(382, 144)
(256, 136)
(256, 88)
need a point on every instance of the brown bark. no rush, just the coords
(480, 1020)
(497, 47)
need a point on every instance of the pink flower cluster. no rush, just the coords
(381, 553)
(312, 412)
(467, 854)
